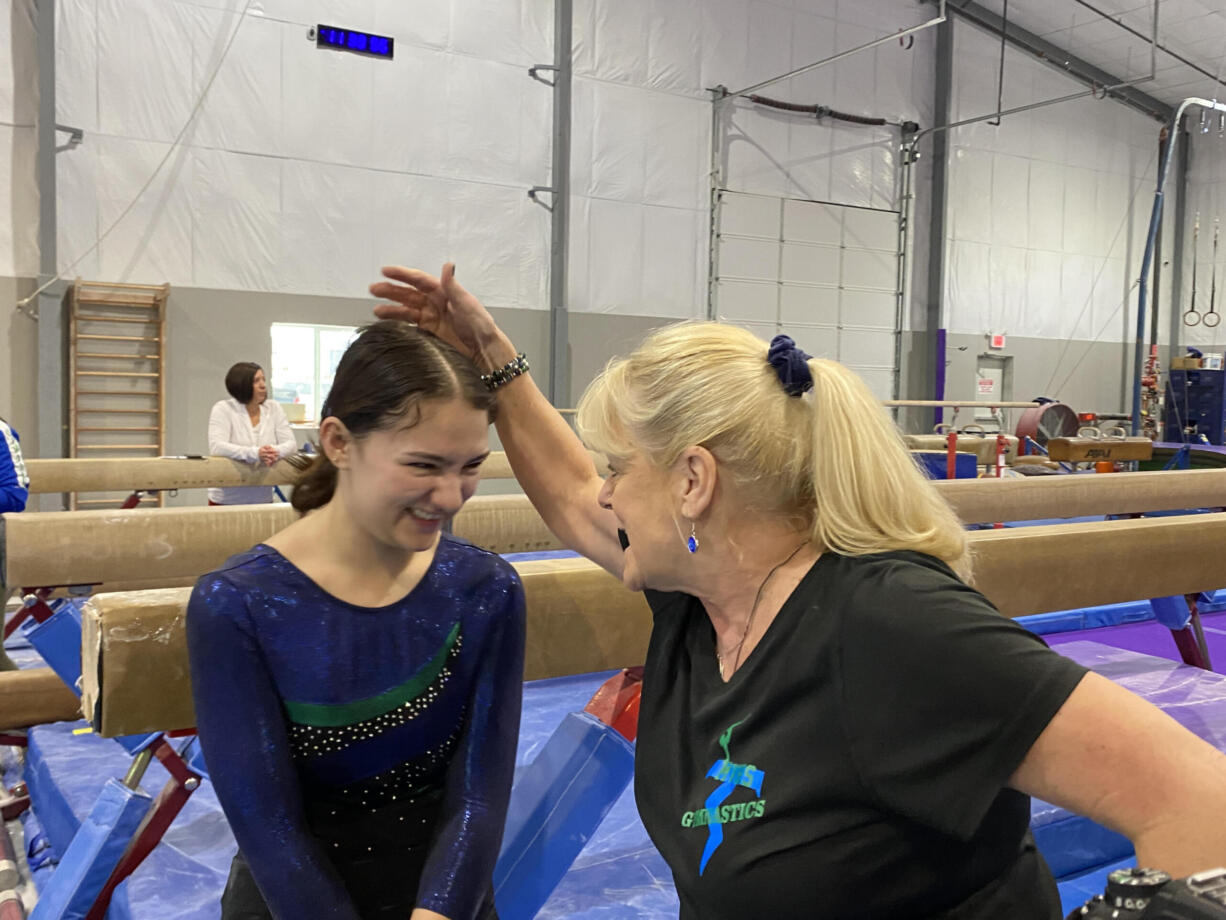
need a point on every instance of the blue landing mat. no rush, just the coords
(619, 874)
(65, 773)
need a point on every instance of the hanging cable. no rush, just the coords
(174, 145)
(822, 111)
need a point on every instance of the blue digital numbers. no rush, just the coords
(355, 41)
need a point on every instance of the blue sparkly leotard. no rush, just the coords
(301, 697)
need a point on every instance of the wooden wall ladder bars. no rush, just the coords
(117, 377)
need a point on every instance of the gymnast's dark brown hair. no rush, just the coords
(240, 380)
(383, 377)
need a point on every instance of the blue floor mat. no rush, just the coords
(1073, 844)
(619, 874)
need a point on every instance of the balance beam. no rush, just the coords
(582, 619)
(167, 473)
(1088, 450)
(983, 447)
(172, 546)
(35, 696)
(149, 475)
(156, 547)
(986, 500)
(134, 644)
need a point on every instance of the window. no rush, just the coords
(304, 360)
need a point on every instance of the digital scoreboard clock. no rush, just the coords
(353, 40)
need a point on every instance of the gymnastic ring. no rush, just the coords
(1216, 317)
(1094, 88)
(1194, 321)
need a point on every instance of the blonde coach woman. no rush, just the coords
(834, 723)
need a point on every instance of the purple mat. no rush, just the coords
(1151, 638)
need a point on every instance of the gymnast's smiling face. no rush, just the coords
(402, 482)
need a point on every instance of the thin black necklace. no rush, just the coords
(720, 656)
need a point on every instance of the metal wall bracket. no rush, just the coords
(536, 190)
(75, 136)
(535, 70)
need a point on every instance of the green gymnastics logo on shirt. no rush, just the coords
(715, 814)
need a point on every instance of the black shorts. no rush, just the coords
(378, 856)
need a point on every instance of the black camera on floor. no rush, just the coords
(1148, 894)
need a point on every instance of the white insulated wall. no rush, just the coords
(18, 115)
(1206, 197)
(643, 121)
(1048, 212)
(306, 169)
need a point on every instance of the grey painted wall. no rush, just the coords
(1089, 376)
(208, 330)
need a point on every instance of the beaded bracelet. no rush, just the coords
(505, 374)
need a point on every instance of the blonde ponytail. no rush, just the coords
(831, 460)
(870, 494)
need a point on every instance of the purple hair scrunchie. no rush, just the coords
(791, 364)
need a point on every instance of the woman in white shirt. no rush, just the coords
(249, 429)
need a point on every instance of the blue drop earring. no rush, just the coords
(692, 543)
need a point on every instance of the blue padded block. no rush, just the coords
(194, 755)
(1087, 618)
(65, 774)
(58, 641)
(540, 554)
(556, 806)
(93, 853)
(1077, 890)
(1211, 601)
(1172, 612)
(1071, 843)
(935, 463)
(195, 852)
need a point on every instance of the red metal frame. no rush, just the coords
(11, 907)
(170, 801)
(14, 805)
(1191, 640)
(38, 609)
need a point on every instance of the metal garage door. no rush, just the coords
(826, 274)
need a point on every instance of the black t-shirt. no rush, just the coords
(855, 764)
